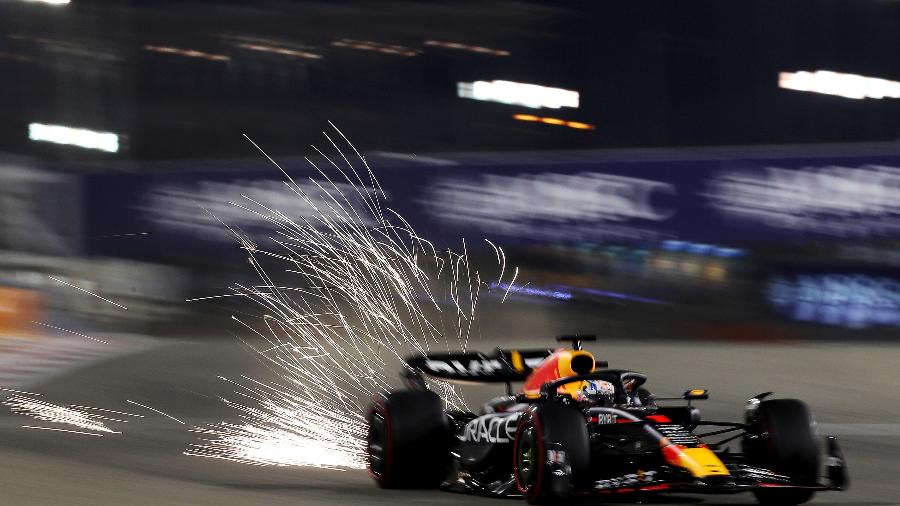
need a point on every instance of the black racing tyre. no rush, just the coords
(546, 426)
(788, 446)
(408, 440)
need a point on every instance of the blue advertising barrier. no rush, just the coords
(722, 200)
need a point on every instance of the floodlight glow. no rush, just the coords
(842, 85)
(50, 2)
(513, 93)
(81, 137)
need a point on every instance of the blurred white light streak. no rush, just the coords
(87, 292)
(70, 332)
(843, 85)
(513, 93)
(156, 410)
(62, 430)
(104, 410)
(80, 137)
(190, 53)
(510, 285)
(281, 50)
(50, 2)
(466, 47)
(215, 297)
(131, 234)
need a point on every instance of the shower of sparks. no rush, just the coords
(87, 292)
(19, 392)
(364, 291)
(63, 430)
(64, 415)
(156, 410)
(105, 410)
(71, 332)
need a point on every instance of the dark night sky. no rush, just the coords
(653, 73)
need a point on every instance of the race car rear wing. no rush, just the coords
(503, 366)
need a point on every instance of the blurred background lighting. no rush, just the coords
(465, 47)
(281, 50)
(190, 53)
(699, 249)
(674, 245)
(554, 121)
(842, 85)
(50, 2)
(513, 93)
(367, 45)
(81, 137)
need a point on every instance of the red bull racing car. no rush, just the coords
(580, 429)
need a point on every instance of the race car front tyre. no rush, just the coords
(408, 443)
(549, 438)
(787, 444)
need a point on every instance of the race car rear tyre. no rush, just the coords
(408, 442)
(550, 432)
(787, 445)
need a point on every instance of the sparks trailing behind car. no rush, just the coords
(578, 428)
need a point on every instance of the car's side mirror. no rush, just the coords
(696, 394)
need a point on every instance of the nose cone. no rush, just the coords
(700, 462)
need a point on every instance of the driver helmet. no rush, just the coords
(597, 393)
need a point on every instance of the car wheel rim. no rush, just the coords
(376, 443)
(525, 457)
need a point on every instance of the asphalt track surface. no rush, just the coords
(854, 391)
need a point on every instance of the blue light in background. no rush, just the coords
(530, 290)
(849, 300)
(699, 249)
(702, 249)
(728, 252)
(673, 245)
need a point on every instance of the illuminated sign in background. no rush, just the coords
(79, 137)
(839, 84)
(509, 92)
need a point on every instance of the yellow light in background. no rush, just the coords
(715, 272)
(554, 121)
(690, 267)
(368, 45)
(579, 125)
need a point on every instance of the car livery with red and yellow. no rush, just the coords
(578, 428)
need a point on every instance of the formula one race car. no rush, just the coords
(580, 429)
